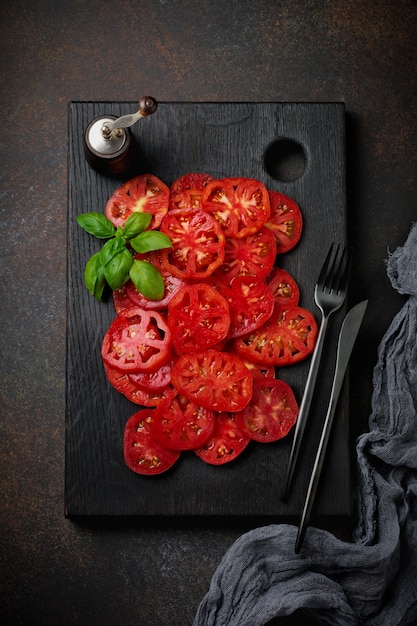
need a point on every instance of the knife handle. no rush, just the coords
(319, 461)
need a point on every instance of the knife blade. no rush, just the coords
(347, 337)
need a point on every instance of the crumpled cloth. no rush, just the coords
(371, 580)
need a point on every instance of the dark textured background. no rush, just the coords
(362, 53)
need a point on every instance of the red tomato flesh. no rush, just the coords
(198, 317)
(226, 443)
(217, 380)
(197, 244)
(185, 192)
(142, 453)
(253, 255)
(285, 221)
(137, 341)
(180, 424)
(250, 304)
(271, 413)
(283, 287)
(145, 193)
(287, 337)
(240, 205)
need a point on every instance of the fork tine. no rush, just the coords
(338, 271)
(344, 279)
(324, 270)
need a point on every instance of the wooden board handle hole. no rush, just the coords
(285, 160)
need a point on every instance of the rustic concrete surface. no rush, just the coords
(363, 52)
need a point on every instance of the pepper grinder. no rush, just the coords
(109, 145)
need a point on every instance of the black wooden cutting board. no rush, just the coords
(295, 148)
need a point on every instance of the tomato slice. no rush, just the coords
(180, 424)
(198, 317)
(285, 221)
(271, 413)
(287, 337)
(121, 299)
(283, 287)
(253, 255)
(145, 193)
(240, 205)
(153, 381)
(137, 341)
(142, 453)
(171, 284)
(127, 385)
(186, 191)
(197, 244)
(226, 443)
(250, 304)
(258, 371)
(217, 380)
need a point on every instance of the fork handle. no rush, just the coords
(305, 407)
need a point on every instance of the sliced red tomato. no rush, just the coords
(283, 287)
(126, 385)
(271, 413)
(142, 453)
(180, 424)
(253, 255)
(258, 371)
(171, 284)
(145, 193)
(198, 317)
(137, 341)
(287, 337)
(285, 221)
(250, 304)
(240, 205)
(153, 381)
(121, 300)
(217, 380)
(226, 443)
(148, 398)
(186, 191)
(197, 244)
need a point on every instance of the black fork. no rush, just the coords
(329, 295)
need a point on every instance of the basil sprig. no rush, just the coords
(114, 264)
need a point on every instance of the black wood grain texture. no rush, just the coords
(223, 139)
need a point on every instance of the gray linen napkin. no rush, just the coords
(373, 579)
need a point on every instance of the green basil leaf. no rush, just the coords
(96, 224)
(147, 279)
(94, 276)
(119, 233)
(136, 223)
(111, 248)
(150, 240)
(116, 271)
